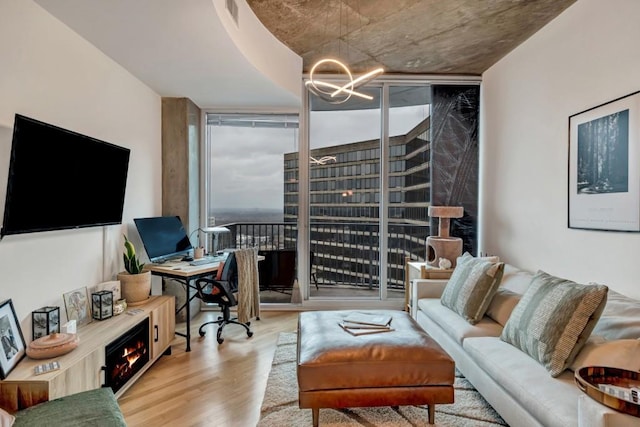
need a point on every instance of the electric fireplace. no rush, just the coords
(126, 355)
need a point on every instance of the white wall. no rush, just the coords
(262, 49)
(51, 74)
(585, 57)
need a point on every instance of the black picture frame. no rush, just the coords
(13, 348)
(45, 321)
(604, 166)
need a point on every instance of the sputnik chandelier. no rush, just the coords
(338, 92)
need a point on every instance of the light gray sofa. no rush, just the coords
(516, 385)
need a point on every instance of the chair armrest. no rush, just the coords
(219, 289)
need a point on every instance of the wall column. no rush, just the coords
(181, 177)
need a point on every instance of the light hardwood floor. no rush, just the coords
(212, 385)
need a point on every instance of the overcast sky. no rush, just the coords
(247, 163)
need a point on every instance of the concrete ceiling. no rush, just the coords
(181, 48)
(406, 36)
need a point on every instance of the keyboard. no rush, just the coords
(205, 260)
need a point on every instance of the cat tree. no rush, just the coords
(443, 245)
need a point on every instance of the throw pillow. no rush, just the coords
(553, 320)
(471, 287)
(622, 354)
(502, 304)
(620, 318)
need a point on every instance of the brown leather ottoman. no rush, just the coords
(339, 370)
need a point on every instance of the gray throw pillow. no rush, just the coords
(471, 287)
(554, 319)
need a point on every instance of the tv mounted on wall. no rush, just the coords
(163, 237)
(60, 179)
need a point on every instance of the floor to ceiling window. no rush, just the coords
(245, 192)
(344, 196)
(338, 207)
(409, 180)
(368, 191)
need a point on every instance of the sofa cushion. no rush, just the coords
(513, 284)
(553, 320)
(502, 304)
(620, 318)
(515, 279)
(454, 325)
(551, 401)
(622, 354)
(471, 287)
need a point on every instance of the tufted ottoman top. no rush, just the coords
(331, 358)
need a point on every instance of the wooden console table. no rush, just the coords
(81, 369)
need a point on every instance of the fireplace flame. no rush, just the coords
(133, 353)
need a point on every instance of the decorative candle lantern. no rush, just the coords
(102, 305)
(45, 321)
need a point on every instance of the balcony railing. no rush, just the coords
(344, 254)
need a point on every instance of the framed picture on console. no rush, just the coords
(604, 166)
(78, 306)
(13, 345)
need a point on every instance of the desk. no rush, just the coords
(187, 273)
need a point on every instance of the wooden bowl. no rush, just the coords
(53, 345)
(588, 377)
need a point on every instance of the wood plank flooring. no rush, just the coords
(212, 385)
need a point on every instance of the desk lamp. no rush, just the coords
(199, 249)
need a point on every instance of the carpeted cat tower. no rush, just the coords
(443, 245)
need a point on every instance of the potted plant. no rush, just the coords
(135, 282)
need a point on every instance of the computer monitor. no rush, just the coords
(163, 237)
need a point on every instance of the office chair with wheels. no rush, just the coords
(237, 280)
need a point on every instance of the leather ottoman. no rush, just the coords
(338, 370)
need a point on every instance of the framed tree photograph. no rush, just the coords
(13, 345)
(604, 170)
(78, 306)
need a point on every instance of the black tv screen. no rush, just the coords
(60, 179)
(163, 237)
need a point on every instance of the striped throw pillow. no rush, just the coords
(472, 286)
(553, 320)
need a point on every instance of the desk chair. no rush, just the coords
(238, 267)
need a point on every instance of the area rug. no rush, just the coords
(280, 403)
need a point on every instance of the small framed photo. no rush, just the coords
(113, 286)
(13, 345)
(77, 305)
(102, 305)
(45, 321)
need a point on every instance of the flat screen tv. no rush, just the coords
(60, 179)
(163, 237)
